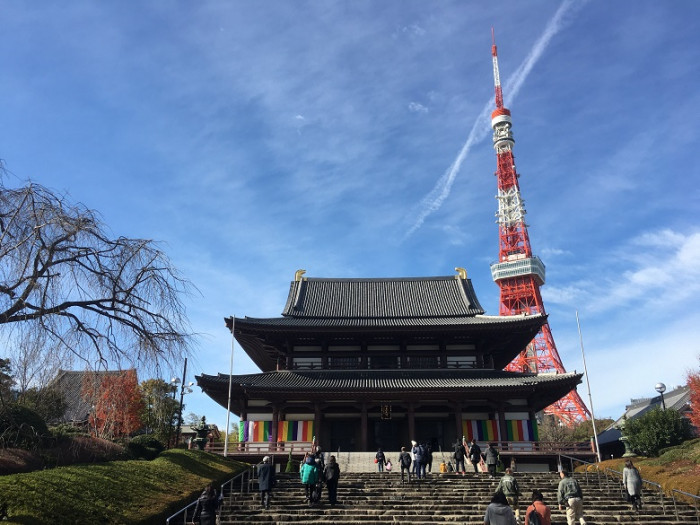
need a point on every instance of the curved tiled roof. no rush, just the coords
(374, 380)
(542, 389)
(407, 297)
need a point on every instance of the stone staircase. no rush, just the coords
(372, 498)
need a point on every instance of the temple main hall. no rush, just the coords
(378, 362)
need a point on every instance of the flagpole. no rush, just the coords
(588, 384)
(230, 382)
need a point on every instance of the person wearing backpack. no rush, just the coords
(509, 486)
(380, 460)
(405, 462)
(458, 456)
(538, 513)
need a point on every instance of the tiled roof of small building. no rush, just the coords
(408, 297)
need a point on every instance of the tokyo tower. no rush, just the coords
(518, 273)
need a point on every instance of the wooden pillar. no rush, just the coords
(458, 420)
(502, 422)
(364, 444)
(275, 420)
(317, 422)
(411, 421)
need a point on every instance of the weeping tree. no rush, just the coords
(65, 284)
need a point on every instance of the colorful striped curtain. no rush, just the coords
(481, 429)
(255, 431)
(522, 430)
(488, 430)
(295, 431)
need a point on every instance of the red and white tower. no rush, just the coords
(518, 273)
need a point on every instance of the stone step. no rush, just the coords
(368, 498)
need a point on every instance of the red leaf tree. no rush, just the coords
(117, 403)
(694, 385)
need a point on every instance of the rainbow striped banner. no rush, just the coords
(255, 431)
(481, 429)
(522, 430)
(295, 431)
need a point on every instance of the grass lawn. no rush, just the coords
(129, 492)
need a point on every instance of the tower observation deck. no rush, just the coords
(518, 273)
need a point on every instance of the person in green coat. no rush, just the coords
(309, 477)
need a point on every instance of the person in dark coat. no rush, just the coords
(332, 474)
(380, 460)
(458, 455)
(205, 509)
(405, 462)
(475, 455)
(266, 480)
(492, 459)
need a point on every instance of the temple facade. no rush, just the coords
(368, 363)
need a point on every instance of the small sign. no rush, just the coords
(386, 411)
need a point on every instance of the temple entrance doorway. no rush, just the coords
(387, 434)
(344, 434)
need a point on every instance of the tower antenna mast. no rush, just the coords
(518, 273)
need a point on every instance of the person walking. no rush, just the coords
(418, 456)
(632, 481)
(309, 477)
(205, 509)
(544, 513)
(509, 486)
(458, 455)
(331, 474)
(266, 480)
(475, 455)
(498, 512)
(405, 462)
(570, 496)
(492, 459)
(380, 460)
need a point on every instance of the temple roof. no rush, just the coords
(402, 308)
(542, 389)
(408, 297)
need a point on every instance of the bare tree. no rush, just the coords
(64, 283)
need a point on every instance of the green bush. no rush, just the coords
(21, 427)
(145, 446)
(656, 430)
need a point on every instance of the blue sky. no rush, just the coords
(348, 139)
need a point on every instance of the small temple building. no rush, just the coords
(378, 362)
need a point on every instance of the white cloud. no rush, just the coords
(415, 107)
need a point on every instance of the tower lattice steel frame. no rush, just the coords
(518, 273)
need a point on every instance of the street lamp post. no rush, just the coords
(184, 389)
(661, 388)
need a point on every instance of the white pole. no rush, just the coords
(588, 384)
(230, 381)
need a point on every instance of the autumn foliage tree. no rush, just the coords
(694, 385)
(117, 403)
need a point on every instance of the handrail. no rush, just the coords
(696, 500)
(246, 479)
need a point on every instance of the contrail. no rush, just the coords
(433, 201)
